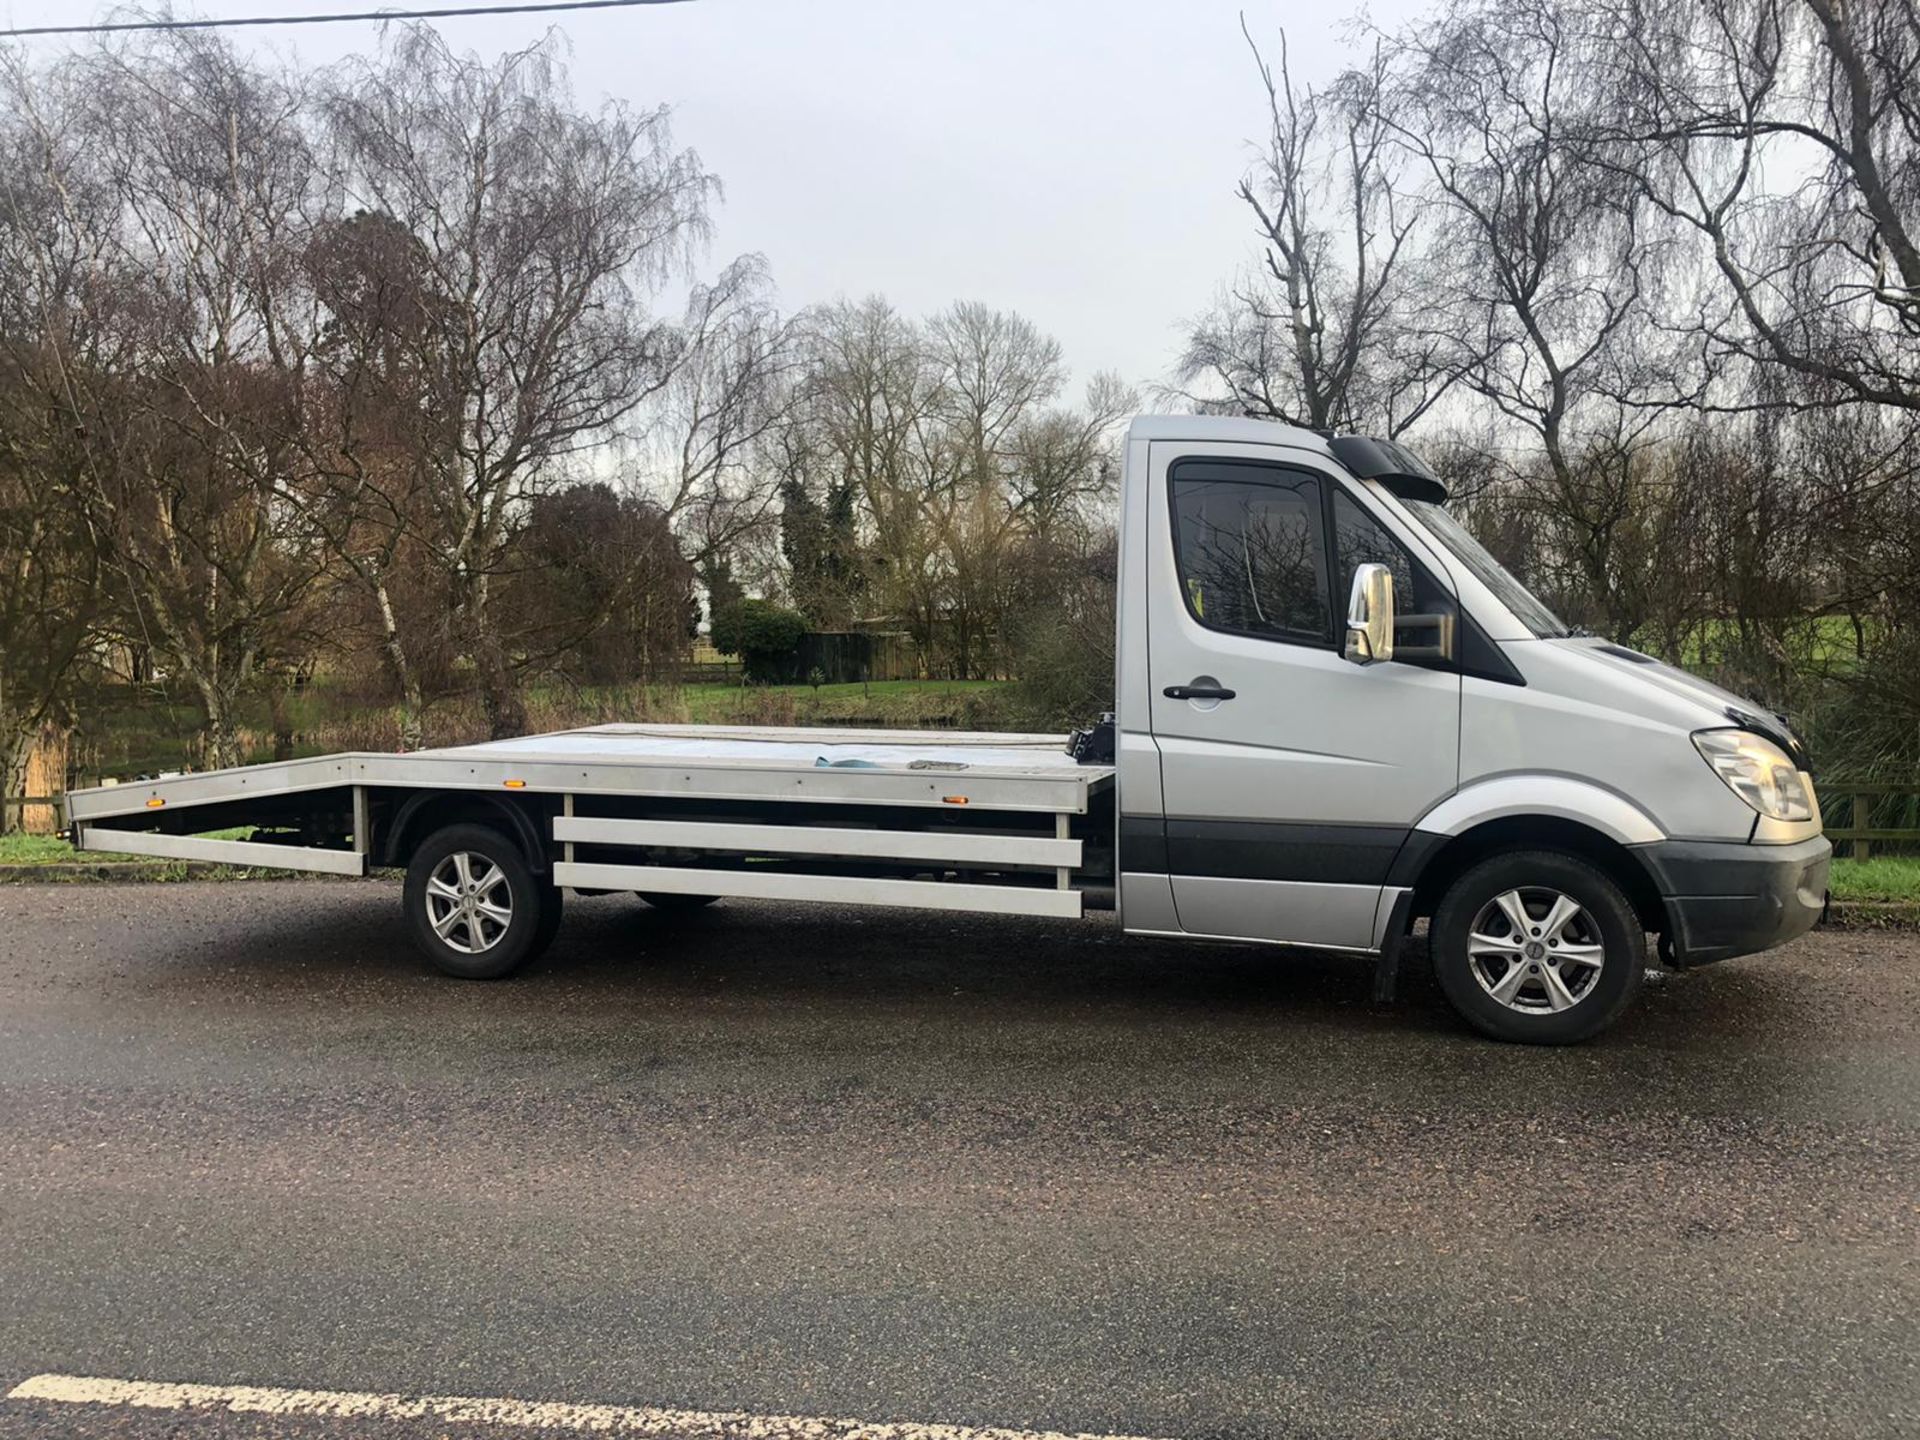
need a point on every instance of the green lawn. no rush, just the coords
(1892, 877)
(49, 850)
(1827, 640)
(880, 701)
(33, 850)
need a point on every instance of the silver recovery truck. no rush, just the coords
(1335, 713)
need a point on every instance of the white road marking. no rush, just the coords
(464, 1410)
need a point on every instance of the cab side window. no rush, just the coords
(1359, 539)
(1252, 550)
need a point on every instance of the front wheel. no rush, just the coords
(474, 906)
(1537, 946)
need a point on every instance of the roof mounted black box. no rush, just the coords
(1392, 464)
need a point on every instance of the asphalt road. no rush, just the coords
(980, 1171)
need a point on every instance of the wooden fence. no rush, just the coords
(44, 823)
(709, 672)
(1856, 801)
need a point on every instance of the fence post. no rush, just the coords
(1862, 813)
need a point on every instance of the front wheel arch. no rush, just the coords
(1430, 869)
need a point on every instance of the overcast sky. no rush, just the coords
(1070, 159)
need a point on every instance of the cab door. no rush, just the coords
(1290, 776)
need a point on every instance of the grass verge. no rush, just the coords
(1887, 880)
(36, 850)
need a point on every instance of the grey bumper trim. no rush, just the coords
(1726, 899)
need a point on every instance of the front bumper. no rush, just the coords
(1727, 899)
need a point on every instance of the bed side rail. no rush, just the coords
(996, 870)
(250, 853)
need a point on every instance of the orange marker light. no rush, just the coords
(514, 784)
(155, 803)
(953, 799)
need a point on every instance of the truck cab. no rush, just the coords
(1337, 713)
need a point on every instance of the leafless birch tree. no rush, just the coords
(1330, 332)
(542, 230)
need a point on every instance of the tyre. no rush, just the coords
(474, 907)
(1537, 946)
(661, 900)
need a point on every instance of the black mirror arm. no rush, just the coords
(1440, 647)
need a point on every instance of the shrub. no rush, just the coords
(762, 634)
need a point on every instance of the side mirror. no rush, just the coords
(1370, 616)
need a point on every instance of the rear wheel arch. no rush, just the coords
(423, 813)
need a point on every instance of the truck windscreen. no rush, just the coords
(1527, 607)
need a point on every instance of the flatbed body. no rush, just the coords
(925, 819)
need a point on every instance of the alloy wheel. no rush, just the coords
(469, 902)
(1535, 950)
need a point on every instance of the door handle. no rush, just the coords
(1197, 692)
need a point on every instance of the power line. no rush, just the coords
(438, 14)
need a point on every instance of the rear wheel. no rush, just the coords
(475, 908)
(1538, 946)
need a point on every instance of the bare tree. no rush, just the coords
(542, 228)
(992, 371)
(183, 178)
(49, 565)
(732, 387)
(600, 593)
(871, 402)
(1542, 265)
(1326, 334)
(943, 448)
(368, 405)
(49, 558)
(1785, 135)
(1062, 462)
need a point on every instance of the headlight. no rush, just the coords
(1758, 771)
